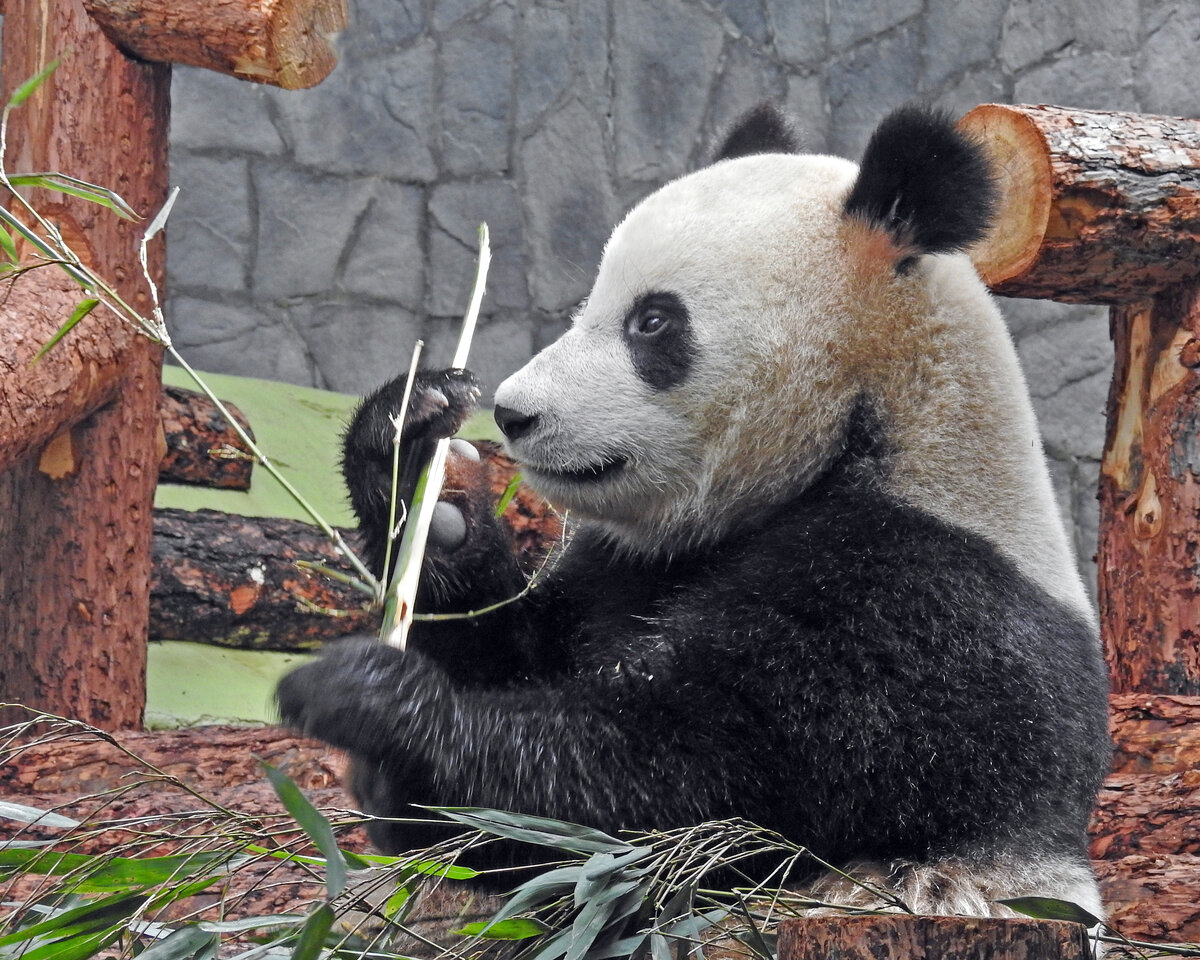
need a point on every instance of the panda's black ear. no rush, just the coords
(924, 182)
(760, 130)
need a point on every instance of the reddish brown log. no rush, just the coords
(1150, 498)
(281, 42)
(905, 937)
(1155, 734)
(1096, 207)
(75, 539)
(233, 581)
(202, 448)
(1147, 814)
(1152, 897)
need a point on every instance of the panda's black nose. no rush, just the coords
(514, 424)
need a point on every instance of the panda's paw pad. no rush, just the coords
(441, 401)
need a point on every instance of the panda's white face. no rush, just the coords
(654, 413)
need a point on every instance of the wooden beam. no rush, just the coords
(1096, 207)
(893, 937)
(202, 448)
(75, 540)
(286, 43)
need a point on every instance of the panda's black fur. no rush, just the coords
(844, 668)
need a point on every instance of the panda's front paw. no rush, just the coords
(440, 403)
(344, 696)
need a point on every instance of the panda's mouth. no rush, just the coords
(592, 473)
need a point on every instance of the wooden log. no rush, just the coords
(1152, 897)
(285, 43)
(905, 937)
(233, 581)
(1155, 734)
(75, 537)
(202, 448)
(1150, 497)
(1147, 815)
(1096, 207)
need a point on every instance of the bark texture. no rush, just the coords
(233, 581)
(1096, 207)
(202, 448)
(1155, 734)
(286, 43)
(75, 537)
(1150, 497)
(903, 938)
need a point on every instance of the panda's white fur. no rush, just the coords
(797, 309)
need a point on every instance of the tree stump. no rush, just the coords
(898, 937)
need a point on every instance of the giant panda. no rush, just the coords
(814, 574)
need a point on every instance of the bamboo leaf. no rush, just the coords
(117, 873)
(8, 245)
(160, 218)
(81, 311)
(25, 90)
(98, 914)
(1050, 908)
(43, 818)
(76, 188)
(315, 825)
(507, 497)
(537, 830)
(312, 935)
(519, 928)
(187, 943)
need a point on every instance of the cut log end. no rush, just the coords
(1019, 158)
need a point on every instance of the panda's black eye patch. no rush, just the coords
(660, 339)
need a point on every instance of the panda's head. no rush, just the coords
(739, 316)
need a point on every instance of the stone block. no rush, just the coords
(306, 220)
(448, 12)
(355, 346)
(661, 101)
(385, 258)
(382, 26)
(367, 117)
(1114, 25)
(210, 227)
(545, 64)
(800, 31)
(210, 111)
(749, 18)
(1032, 29)
(1030, 316)
(1074, 348)
(241, 339)
(477, 60)
(852, 20)
(806, 102)
(958, 35)
(589, 20)
(1096, 81)
(455, 211)
(571, 207)
(747, 78)
(1166, 65)
(1072, 420)
(980, 85)
(1085, 518)
(866, 83)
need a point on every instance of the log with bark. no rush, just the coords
(286, 43)
(231, 580)
(906, 937)
(1096, 206)
(202, 448)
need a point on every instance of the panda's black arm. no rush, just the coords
(663, 742)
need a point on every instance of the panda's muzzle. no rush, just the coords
(593, 472)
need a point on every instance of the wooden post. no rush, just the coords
(1105, 208)
(80, 438)
(75, 521)
(899, 937)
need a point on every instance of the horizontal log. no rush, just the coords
(1152, 897)
(202, 448)
(1096, 207)
(233, 581)
(285, 43)
(76, 378)
(894, 937)
(1148, 815)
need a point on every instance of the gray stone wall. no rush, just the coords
(319, 233)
